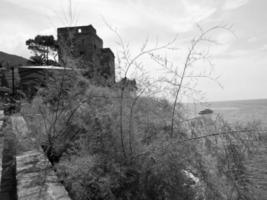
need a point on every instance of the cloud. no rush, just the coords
(234, 4)
(264, 48)
(252, 39)
(197, 11)
(177, 16)
(15, 44)
(161, 19)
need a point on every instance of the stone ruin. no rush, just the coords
(78, 46)
(84, 47)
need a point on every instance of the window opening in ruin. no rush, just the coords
(79, 30)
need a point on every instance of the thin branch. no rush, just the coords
(223, 133)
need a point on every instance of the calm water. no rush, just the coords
(236, 111)
(244, 111)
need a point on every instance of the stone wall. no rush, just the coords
(85, 47)
(36, 178)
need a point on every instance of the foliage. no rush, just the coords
(42, 47)
(86, 150)
(106, 143)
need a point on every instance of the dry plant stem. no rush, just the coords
(131, 121)
(121, 122)
(180, 85)
(223, 133)
(58, 102)
(129, 63)
(132, 115)
(190, 59)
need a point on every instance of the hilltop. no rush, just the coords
(12, 60)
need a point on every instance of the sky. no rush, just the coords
(239, 59)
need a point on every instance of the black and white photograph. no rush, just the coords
(133, 100)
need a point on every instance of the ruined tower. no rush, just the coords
(82, 45)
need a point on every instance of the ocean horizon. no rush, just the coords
(234, 111)
(243, 112)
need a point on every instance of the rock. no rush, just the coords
(1, 115)
(205, 112)
(36, 178)
(19, 126)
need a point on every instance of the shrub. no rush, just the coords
(80, 132)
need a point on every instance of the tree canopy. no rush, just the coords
(44, 48)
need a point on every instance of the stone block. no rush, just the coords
(36, 178)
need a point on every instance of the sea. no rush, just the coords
(242, 112)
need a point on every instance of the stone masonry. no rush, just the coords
(82, 44)
(35, 176)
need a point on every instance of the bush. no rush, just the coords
(80, 132)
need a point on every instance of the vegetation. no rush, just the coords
(43, 47)
(79, 128)
(106, 143)
(8, 60)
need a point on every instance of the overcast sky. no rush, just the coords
(240, 59)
